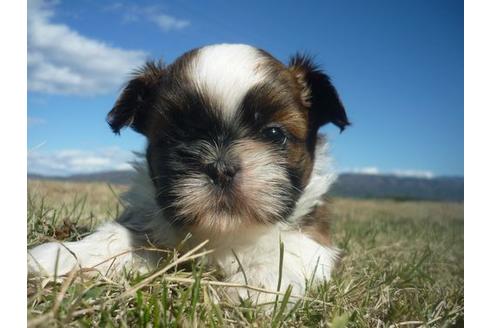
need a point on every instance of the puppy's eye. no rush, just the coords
(275, 134)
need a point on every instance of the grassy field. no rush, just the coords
(402, 266)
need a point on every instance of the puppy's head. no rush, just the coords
(231, 133)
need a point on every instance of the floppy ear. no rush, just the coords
(137, 99)
(318, 93)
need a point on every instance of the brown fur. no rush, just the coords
(317, 224)
(286, 92)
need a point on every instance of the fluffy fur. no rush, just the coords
(226, 84)
(233, 157)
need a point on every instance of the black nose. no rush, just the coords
(221, 173)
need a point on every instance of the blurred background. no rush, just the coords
(398, 66)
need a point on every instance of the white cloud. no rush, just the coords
(414, 173)
(33, 121)
(62, 61)
(153, 14)
(365, 170)
(167, 23)
(72, 161)
(396, 172)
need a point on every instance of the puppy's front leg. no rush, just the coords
(107, 250)
(303, 261)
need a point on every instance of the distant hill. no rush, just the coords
(113, 177)
(396, 187)
(353, 185)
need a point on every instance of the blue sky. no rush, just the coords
(398, 66)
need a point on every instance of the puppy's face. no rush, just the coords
(231, 133)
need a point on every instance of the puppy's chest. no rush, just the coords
(252, 249)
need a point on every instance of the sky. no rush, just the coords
(398, 67)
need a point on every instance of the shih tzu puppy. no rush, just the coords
(233, 157)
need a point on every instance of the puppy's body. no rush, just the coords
(234, 157)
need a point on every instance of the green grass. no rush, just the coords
(402, 266)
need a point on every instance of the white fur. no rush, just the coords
(304, 260)
(257, 249)
(322, 178)
(225, 73)
(95, 251)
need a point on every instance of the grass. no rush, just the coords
(402, 266)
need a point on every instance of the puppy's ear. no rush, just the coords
(318, 93)
(137, 99)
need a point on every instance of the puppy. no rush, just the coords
(233, 157)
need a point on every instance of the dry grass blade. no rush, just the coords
(406, 324)
(190, 255)
(66, 283)
(42, 319)
(234, 285)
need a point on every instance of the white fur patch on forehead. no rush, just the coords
(225, 73)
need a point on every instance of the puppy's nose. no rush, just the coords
(221, 173)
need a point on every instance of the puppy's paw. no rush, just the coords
(50, 260)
